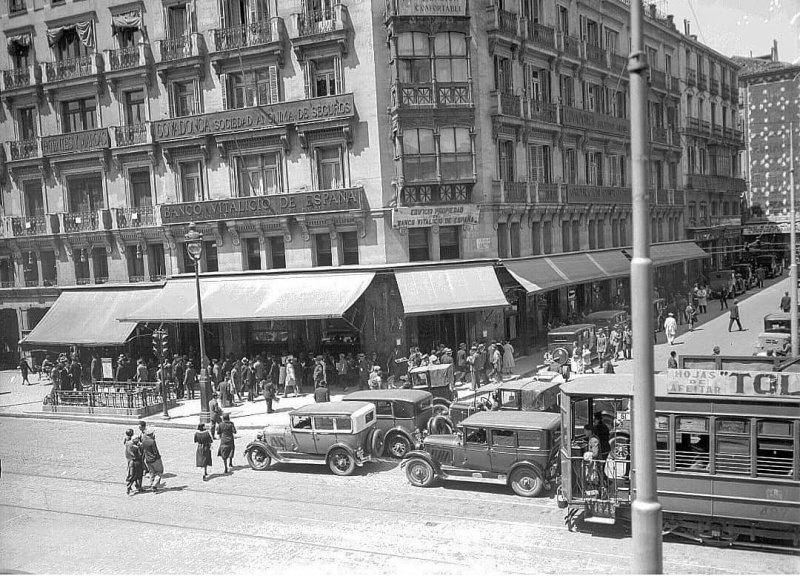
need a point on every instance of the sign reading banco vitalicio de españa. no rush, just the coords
(445, 215)
(259, 206)
(75, 142)
(255, 118)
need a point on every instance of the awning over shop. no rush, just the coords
(675, 252)
(543, 274)
(448, 289)
(90, 317)
(264, 297)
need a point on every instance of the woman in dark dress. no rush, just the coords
(133, 454)
(226, 443)
(203, 440)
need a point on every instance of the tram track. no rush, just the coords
(428, 514)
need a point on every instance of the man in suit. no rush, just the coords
(215, 411)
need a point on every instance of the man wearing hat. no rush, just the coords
(363, 371)
(189, 379)
(461, 362)
(319, 372)
(602, 345)
(215, 412)
(671, 328)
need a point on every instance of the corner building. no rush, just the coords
(441, 170)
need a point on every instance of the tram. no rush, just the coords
(727, 453)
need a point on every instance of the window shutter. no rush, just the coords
(583, 27)
(338, 76)
(223, 85)
(223, 14)
(496, 73)
(171, 100)
(310, 71)
(198, 109)
(274, 88)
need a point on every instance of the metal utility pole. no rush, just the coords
(645, 509)
(793, 246)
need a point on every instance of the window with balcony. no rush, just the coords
(503, 76)
(191, 180)
(455, 146)
(702, 164)
(668, 65)
(656, 114)
(324, 75)
(563, 19)
(419, 155)
(547, 237)
(184, 98)
(243, 12)
(566, 90)
(34, 202)
(26, 123)
(506, 164)
(85, 193)
(20, 52)
(141, 195)
(135, 107)
(349, 244)
(449, 242)
(656, 175)
(532, 10)
(450, 57)
(612, 40)
(178, 21)
(414, 63)
(594, 168)
(277, 251)
(128, 38)
(570, 168)
(69, 43)
(418, 244)
(593, 97)
(537, 85)
(617, 103)
(259, 174)
(330, 167)
(78, 115)
(691, 159)
(591, 32)
(539, 163)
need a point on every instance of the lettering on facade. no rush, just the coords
(447, 215)
(773, 228)
(259, 206)
(432, 7)
(730, 383)
(255, 118)
(75, 142)
(594, 195)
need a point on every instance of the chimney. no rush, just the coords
(686, 28)
(774, 50)
(671, 20)
(653, 11)
(693, 37)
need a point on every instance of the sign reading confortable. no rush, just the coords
(255, 118)
(258, 206)
(432, 7)
(732, 383)
(445, 215)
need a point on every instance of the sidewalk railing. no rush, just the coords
(110, 395)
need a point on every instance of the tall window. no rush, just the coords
(456, 153)
(413, 51)
(537, 86)
(329, 167)
(539, 159)
(505, 158)
(419, 160)
(601, 232)
(536, 240)
(324, 252)
(592, 235)
(547, 237)
(85, 193)
(612, 40)
(594, 99)
(191, 181)
(127, 37)
(20, 55)
(502, 240)
(77, 115)
(576, 235)
(514, 236)
(349, 243)
(250, 88)
(566, 90)
(503, 78)
(450, 49)
(259, 174)
(563, 19)
(566, 236)
(184, 100)
(210, 255)
(253, 253)
(34, 202)
(324, 78)
(135, 107)
(278, 251)
(570, 159)
(100, 264)
(449, 242)
(140, 188)
(178, 24)
(70, 46)
(594, 168)
(614, 233)
(616, 165)
(418, 244)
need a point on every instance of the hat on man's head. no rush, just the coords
(318, 358)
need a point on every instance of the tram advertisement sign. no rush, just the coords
(732, 383)
(444, 215)
(259, 206)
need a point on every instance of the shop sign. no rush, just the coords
(445, 215)
(771, 228)
(483, 243)
(431, 7)
(75, 142)
(255, 118)
(260, 206)
(730, 383)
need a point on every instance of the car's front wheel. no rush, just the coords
(526, 482)
(397, 445)
(420, 473)
(341, 462)
(258, 458)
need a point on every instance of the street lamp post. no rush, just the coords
(793, 321)
(194, 246)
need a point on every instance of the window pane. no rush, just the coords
(343, 424)
(411, 141)
(349, 248)
(323, 423)
(426, 142)
(278, 252)
(507, 438)
(447, 140)
(529, 438)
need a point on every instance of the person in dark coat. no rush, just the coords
(227, 446)
(189, 380)
(215, 411)
(96, 369)
(270, 392)
(133, 454)
(203, 440)
(24, 369)
(152, 459)
(321, 393)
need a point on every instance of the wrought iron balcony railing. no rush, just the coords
(70, 68)
(24, 149)
(246, 35)
(132, 135)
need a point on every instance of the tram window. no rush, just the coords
(775, 448)
(733, 446)
(580, 416)
(504, 438)
(662, 442)
(691, 444)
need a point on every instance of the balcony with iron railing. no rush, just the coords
(667, 197)
(673, 85)
(541, 35)
(714, 87)
(732, 134)
(436, 193)
(541, 111)
(319, 29)
(86, 221)
(23, 149)
(431, 94)
(510, 192)
(83, 67)
(21, 79)
(659, 135)
(181, 47)
(691, 77)
(595, 194)
(590, 120)
(506, 104)
(619, 63)
(137, 217)
(131, 135)
(702, 81)
(595, 54)
(503, 21)
(22, 226)
(569, 45)
(658, 79)
(254, 40)
(716, 183)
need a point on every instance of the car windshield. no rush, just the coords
(509, 399)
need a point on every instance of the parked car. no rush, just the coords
(559, 340)
(341, 435)
(771, 265)
(777, 332)
(539, 392)
(518, 449)
(607, 319)
(438, 380)
(747, 274)
(402, 416)
(719, 279)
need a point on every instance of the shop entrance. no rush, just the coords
(447, 329)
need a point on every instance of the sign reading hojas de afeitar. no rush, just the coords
(260, 206)
(445, 215)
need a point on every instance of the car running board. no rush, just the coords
(476, 477)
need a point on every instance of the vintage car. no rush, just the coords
(745, 271)
(402, 416)
(607, 319)
(777, 332)
(771, 265)
(437, 379)
(719, 279)
(539, 392)
(341, 435)
(519, 449)
(560, 340)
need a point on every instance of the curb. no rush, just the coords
(107, 420)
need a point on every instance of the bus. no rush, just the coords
(727, 454)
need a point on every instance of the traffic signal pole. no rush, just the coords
(645, 508)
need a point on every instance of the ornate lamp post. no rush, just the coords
(194, 246)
